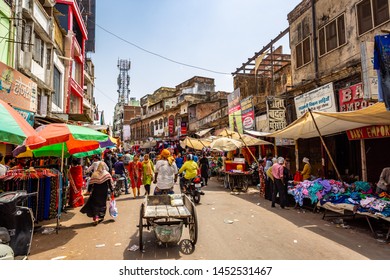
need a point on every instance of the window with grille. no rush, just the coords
(332, 35)
(38, 50)
(371, 13)
(303, 52)
(57, 97)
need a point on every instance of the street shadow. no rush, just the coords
(351, 232)
(45, 242)
(153, 249)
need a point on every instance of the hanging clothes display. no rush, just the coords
(45, 182)
(382, 64)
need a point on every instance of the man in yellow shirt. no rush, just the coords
(191, 170)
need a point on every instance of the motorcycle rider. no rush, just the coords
(191, 171)
(120, 170)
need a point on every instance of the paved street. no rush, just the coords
(231, 226)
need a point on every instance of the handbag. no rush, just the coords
(113, 208)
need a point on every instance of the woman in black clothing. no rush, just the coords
(96, 206)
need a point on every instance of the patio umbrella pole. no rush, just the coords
(326, 148)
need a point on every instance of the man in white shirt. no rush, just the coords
(165, 173)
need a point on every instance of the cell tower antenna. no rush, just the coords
(124, 66)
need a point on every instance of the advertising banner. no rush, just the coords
(352, 98)
(17, 89)
(319, 99)
(248, 113)
(235, 120)
(126, 132)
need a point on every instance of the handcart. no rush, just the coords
(166, 219)
(237, 180)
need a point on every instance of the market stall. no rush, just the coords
(344, 199)
(236, 174)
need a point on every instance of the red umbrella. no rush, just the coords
(76, 138)
(14, 129)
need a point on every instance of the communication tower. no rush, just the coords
(124, 66)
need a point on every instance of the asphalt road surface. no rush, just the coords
(232, 226)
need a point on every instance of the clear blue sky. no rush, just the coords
(218, 35)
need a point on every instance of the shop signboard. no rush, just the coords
(17, 89)
(369, 132)
(276, 111)
(183, 128)
(28, 116)
(247, 112)
(235, 120)
(319, 99)
(171, 124)
(352, 98)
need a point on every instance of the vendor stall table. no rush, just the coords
(350, 210)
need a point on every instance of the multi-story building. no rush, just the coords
(42, 61)
(172, 113)
(332, 47)
(35, 54)
(71, 21)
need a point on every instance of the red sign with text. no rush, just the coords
(369, 132)
(351, 98)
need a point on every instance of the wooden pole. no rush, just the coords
(326, 148)
(363, 159)
(296, 155)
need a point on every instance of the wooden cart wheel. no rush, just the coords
(244, 183)
(226, 182)
(193, 226)
(140, 227)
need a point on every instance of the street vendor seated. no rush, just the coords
(190, 167)
(383, 184)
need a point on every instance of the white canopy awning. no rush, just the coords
(196, 144)
(334, 122)
(256, 133)
(203, 132)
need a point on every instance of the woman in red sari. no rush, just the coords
(75, 177)
(135, 169)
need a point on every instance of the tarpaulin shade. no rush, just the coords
(196, 144)
(247, 139)
(334, 122)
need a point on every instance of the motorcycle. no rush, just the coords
(16, 225)
(193, 188)
(254, 169)
(119, 184)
